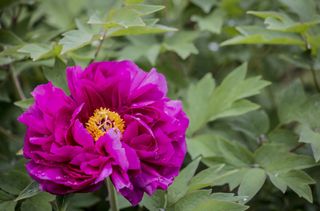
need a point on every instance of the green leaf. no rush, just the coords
(297, 180)
(281, 22)
(205, 5)
(13, 182)
(24, 104)
(181, 43)
(197, 96)
(38, 202)
(202, 200)
(237, 108)
(7, 205)
(210, 177)
(139, 30)
(82, 200)
(31, 190)
(233, 88)
(252, 182)
(212, 22)
(253, 124)
(57, 74)
(40, 51)
(258, 35)
(145, 9)
(275, 158)
(306, 9)
(154, 202)
(75, 39)
(309, 136)
(9, 38)
(231, 153)
(180, 186)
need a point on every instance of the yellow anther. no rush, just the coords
(103, 120)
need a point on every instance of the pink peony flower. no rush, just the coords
(117, 123)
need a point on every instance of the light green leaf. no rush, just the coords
(202, 200)
(237, 108)
(210, 177)
(138, 30)
(145, 9)
(40, 51)
(309, 136)
(212, 22)
(297, 180)
(306, 9)
(154, 202)
(233, 88)
(257, 35)
(205, 5)
(181, 43)
(24, 104)
(197, 96)
(180, 186)
(75, 39)
(275, 158)
(252, 182)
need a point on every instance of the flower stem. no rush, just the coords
(112, 195)
(61, 203)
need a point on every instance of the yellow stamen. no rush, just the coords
(103, 120)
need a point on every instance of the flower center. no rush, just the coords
(103, 120)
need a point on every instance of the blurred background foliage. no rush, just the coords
(247, 72)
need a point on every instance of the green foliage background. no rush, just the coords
(247, 72)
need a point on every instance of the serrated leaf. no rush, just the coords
(252, 182)
(24, 104)
(180, 186)
(233, 88)
(212, 22)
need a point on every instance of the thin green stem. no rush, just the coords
(16, 83)
(314, 76)
(112, 195)
(102, 38)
